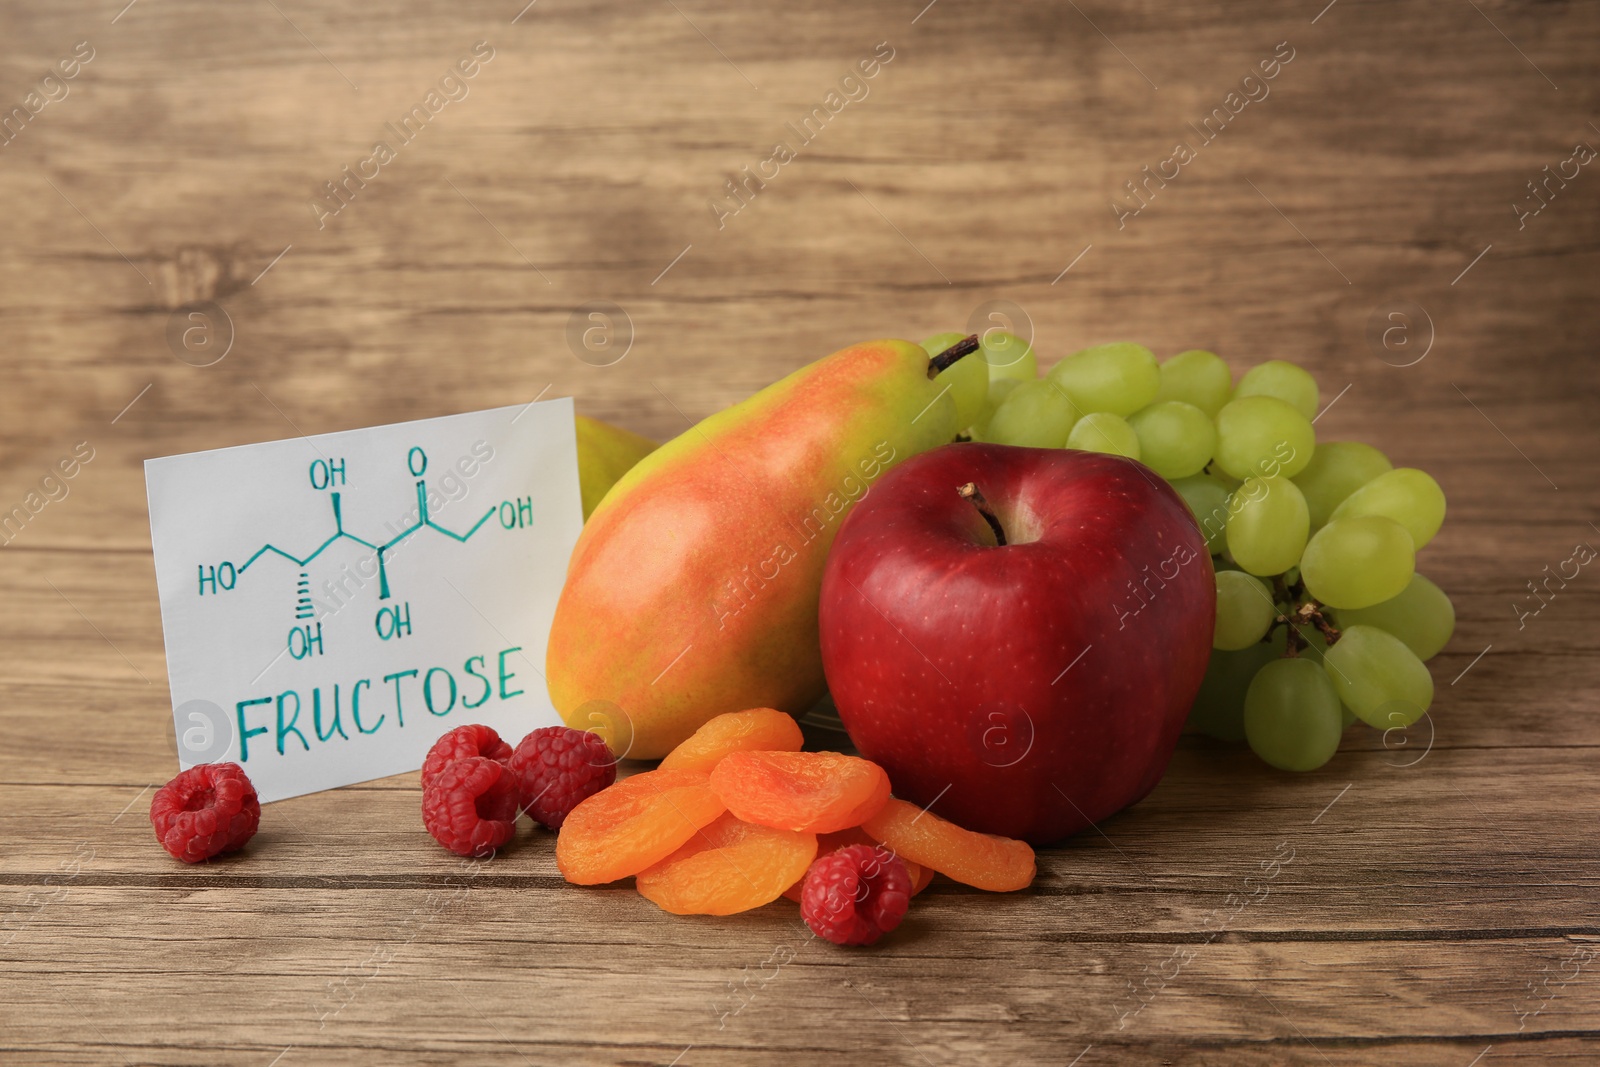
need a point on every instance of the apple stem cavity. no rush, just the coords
(969, 493)
(964, 347)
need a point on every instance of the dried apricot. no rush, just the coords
(870, 806)
(634, 824)
(837, 839)
(808, 792)
(756, 730)
(826, 843)
(730, 866)
(998, 864)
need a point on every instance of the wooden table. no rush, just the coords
(1433, 901)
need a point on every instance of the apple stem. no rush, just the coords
(964, 347)
(969, 492)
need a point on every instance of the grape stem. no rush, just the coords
(1304, 610)
(1312, 611)
(964, 347)
(969, 493)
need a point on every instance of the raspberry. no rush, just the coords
(471, 740)
(204, 811)
(856, 894)
(559, 766)
(470, 807)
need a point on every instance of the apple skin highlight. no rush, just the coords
(1027, 689)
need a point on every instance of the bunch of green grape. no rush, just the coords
(1322, 618)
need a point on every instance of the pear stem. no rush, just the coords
(964, 347)
(969, 492)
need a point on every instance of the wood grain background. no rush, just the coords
(1436, 910)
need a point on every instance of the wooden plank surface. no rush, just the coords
(1439, 904)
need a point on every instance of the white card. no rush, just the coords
(332, 605)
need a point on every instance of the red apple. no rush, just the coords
(1027, 672)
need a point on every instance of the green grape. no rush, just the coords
(1337, 469)
(1346, 716)
(1008, 356)
(1222, 478)
(1358, 562)
(1284, 380)
(967, 379)
(1218, 709)
(1244, 611)
(1036, 414)
(1196, 377)
(1105, 432)
(1406, 495)
(1421, 616)
(1291, 715)
(1175, 438)
(1208, 503)
(1267, 525)
(999, 389)
(941, 341)
(1120, 378)
(1263, 435)
(1378, 677)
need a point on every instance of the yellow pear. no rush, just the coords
(605, 453)
(693, 590)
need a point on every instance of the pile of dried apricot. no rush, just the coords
(738, 815)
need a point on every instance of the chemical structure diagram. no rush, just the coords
(392, 621)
